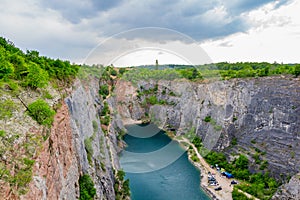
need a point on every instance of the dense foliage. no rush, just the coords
(223, 71)
(86, 187)
(41, 112)
(121, 186)
(104, 91)
(31, 69)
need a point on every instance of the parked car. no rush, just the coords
(218, 188)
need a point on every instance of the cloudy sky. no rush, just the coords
(100, 31)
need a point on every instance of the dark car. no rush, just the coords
(218, 188)
(234, 182)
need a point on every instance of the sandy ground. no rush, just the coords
(204, 167)
(128, 121)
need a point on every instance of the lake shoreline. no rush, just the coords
(211, 193)
(204, 169)
(206, 193)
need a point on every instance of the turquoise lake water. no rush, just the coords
(157, 167)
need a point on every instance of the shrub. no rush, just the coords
(264, 165)
(2, 133)
(86, 187)
(242, 162)
(89, 149)
(234, 141)
(105, 120)
(122, 70)
(296, 71)
(207, 119)
(197, 142)
(121, 186)
(6, 69)
(41, 112)
(113, 72)
(37, 77)
(95, 126)
(104, 91)
(105, 109)
(234, 119)
(152, 100)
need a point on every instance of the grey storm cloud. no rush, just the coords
(199, 19)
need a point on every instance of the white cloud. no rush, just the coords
(69, 30)
(32, 27)
(275, 36)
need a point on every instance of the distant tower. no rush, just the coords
(156, 63)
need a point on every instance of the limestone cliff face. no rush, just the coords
(64, 156)
(260, 114)
(290, 190)
(56, 170)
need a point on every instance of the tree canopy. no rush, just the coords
(30, 68)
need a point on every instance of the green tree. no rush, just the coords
(297, 70)
(6, 68)
(37, 77)
(242, 162)
(20, 65)
(122, 70)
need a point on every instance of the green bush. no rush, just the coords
(86, 188)
(297, 70)
(121, 186)
(41, 112)
(152, 100)
(234, 141)
(95, 126)
(2, 133)
(197, 142)
(122, 70)
(6, 69)
(37, 77)
(105, 109)
(207, 119)
(89, 149)
(104, 91)
(264, 165)
(105, 120)
(113, 72)
(242, 162)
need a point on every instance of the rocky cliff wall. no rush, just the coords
(77, 145)
(290, 190)
(260, 114)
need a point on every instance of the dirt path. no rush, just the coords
(225, 193)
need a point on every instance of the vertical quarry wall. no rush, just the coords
(259, 114)
(77, 145)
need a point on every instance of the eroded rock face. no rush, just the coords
(64, 156)
(56, 171)
(84, 105)
(289, 191)
(262, 114)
